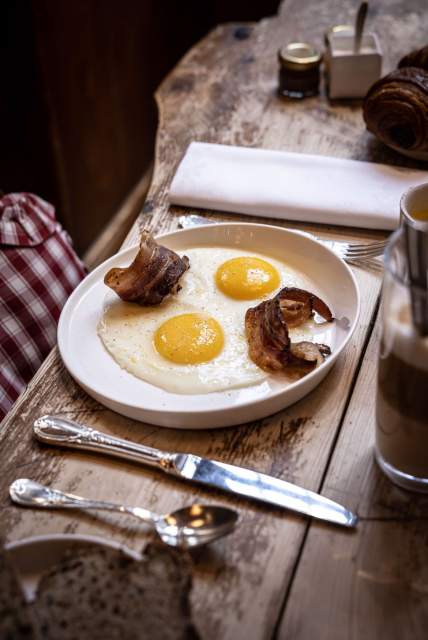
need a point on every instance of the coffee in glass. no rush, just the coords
(402, 394)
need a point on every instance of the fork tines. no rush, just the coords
(371, 249)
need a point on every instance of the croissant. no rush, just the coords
(395, 109)
(418, 58)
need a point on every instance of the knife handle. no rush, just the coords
(60, 431)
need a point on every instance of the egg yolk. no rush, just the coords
(247, 278)
(190, 338)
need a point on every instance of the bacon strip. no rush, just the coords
(298, 305)
(267, 335)
(153, 274)
(267, 326)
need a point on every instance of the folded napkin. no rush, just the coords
(292, 186)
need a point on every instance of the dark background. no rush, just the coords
(77, 114)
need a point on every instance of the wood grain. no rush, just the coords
(224, 91)
(378, 579)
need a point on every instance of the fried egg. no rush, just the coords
(246, 278)
(194, 341)
(190, 338)
(179, 347)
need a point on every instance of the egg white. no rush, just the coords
(127, 330)
(199, 280)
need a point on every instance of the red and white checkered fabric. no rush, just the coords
(38, 271)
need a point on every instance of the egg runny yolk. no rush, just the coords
(191, 338)
(247, 278)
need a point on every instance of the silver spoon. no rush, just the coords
(185, 528)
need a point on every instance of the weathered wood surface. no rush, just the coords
(373, 585)
(250, 584)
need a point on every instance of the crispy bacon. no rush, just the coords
(268, 339)
(153, 274)
(305, 356)
(267, 335)
(298, 305)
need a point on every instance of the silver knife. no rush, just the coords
(237, 480)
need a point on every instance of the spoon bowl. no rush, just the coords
(196, 525)
(185, 528)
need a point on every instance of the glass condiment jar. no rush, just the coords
(299, 70)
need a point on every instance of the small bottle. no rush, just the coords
(299, 70)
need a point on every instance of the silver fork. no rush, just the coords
(354, 251)
(348, 251)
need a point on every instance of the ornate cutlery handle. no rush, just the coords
(59, 431)
(29, 493)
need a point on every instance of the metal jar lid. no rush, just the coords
(299, 56)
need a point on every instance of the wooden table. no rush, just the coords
(279, 575)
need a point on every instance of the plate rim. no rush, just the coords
(192, 411)
(15, 545)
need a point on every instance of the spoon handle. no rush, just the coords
(28, 493)
(359, 25)
(57, 430)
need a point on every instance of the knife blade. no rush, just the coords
(56, 430)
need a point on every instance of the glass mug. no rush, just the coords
(401, 447)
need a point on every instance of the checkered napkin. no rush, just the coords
(38, 271)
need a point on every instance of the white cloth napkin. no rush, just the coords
(292, 186)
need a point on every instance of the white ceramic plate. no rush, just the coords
(95, 370)
(35, 556)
